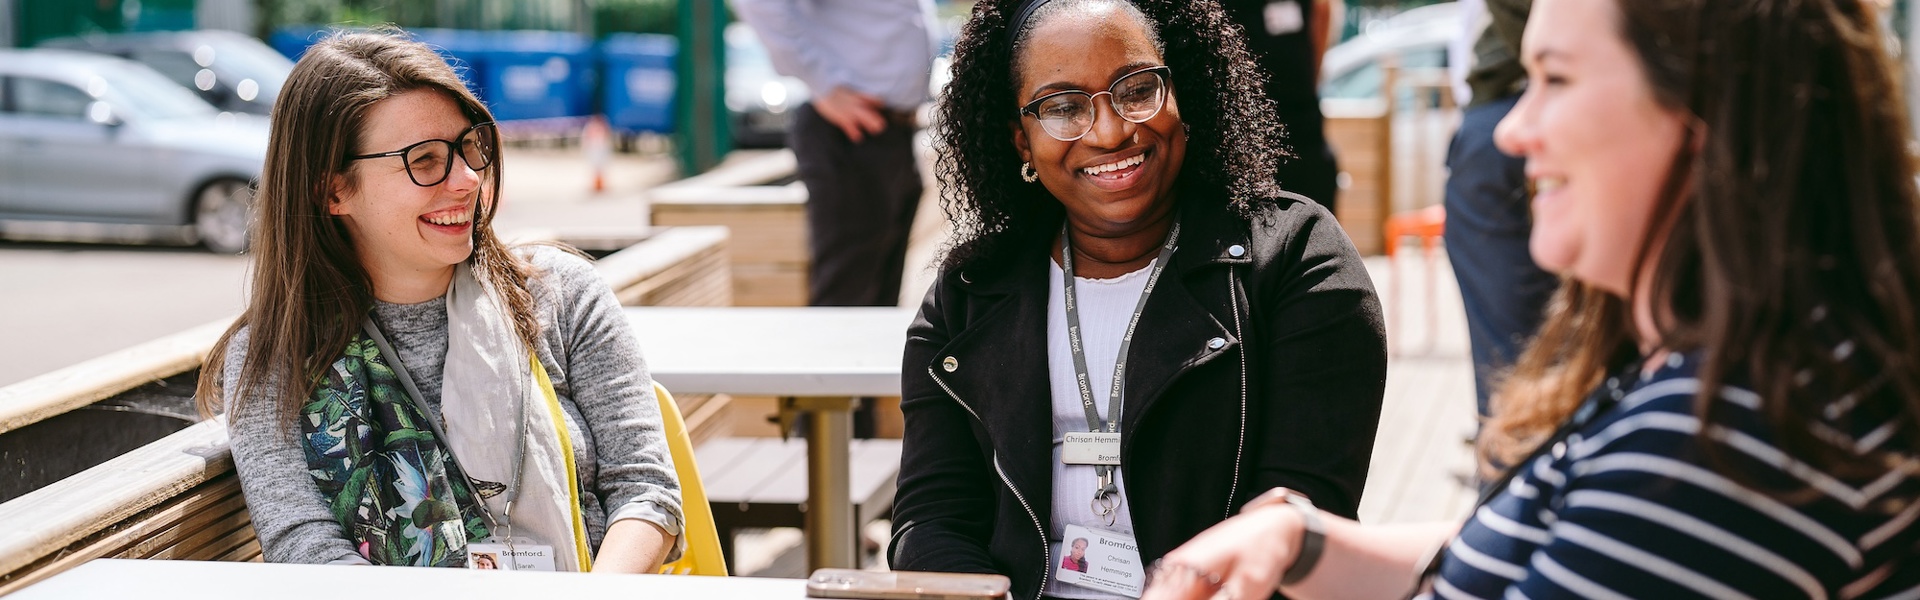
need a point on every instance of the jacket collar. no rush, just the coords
(1001, 357)
(1209, 236)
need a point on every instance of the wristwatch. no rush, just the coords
(1313, 534)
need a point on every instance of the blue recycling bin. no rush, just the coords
(536, 74)
(466, 51)
(637, 81)
(293, 41)
(463, 50)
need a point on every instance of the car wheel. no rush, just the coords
(220, 215)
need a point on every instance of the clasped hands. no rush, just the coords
(1241, 558)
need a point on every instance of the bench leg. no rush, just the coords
(726, 551)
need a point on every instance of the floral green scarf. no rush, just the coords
(391, 481)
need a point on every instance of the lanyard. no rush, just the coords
(1104, 498)
(433, 421)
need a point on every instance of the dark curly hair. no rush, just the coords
(1234, 135)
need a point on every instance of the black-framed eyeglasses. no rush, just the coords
(429, 162)
(1069, 115)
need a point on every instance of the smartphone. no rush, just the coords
(905, 585)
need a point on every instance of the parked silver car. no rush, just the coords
(99, 148)
(231, 70)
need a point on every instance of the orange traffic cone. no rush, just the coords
(597, 139)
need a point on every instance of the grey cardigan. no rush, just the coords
(594, 361)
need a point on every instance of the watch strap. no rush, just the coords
(1313, 539)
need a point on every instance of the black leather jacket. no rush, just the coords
(1292, 398)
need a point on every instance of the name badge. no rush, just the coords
(1090, 448)
(521, 556)
(1284, 17)
(1102, 560)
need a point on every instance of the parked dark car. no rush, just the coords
(97, 148)
(232, 71)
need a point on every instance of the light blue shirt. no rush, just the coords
(879, 47)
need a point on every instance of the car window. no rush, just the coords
(49, 98)
(252, 60)
(745, 51)
(176, 65)
(1430, 57)
(136, 89)
(1362, 82)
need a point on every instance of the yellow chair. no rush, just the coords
(703, 539)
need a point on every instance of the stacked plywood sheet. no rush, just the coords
(769, 249)
(752, 195)
(1360, 132)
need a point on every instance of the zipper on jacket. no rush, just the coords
(1046, 547)
(1233, 298)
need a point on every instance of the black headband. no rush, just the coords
(1020, 15)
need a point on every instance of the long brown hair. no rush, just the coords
(1789, 262)
(310, 290)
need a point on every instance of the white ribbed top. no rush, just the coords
(1105, 307)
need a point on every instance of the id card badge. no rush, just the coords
(522, 555)
(1284, 17)
(1090, 448)
(1102, 560)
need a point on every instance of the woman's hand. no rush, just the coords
(1239, 559)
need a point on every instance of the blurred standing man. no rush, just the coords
(867, 64)
(1289, 37)
(1488, 208)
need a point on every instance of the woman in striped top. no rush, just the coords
(1725, 400)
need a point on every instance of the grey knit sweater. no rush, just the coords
(593, 359)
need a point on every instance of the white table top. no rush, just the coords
(797, 351)
(192, 580)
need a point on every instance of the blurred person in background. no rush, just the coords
(400, 377)
(1724, 401)
(1288, 38)
(1488, 218)
(868, 63)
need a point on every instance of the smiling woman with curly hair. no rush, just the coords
(1108, 167)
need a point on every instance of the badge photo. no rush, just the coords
(1101, 560)
(485, 560)
(518, 556)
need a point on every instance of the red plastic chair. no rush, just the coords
(1429, 225)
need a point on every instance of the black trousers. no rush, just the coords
(861, 200)
(1489, 219)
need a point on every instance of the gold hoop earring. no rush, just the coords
(1027, 173)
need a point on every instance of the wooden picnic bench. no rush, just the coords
(762, 482)
(179, 497)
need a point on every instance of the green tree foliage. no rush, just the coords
(634, 16)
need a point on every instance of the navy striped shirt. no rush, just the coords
(1631, 506)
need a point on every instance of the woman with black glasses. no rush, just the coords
(1108, 167)
(403, 389)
